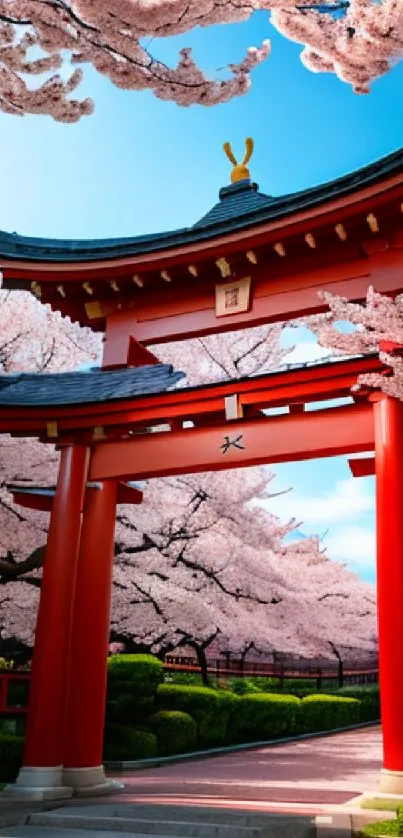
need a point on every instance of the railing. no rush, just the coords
(7, 708)
(350, 675)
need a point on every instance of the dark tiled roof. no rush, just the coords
(31, 489)
(39, 389)
(238, 209)
(236, 201)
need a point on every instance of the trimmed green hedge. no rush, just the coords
(143, 672)
(211, 709)
(325, 712)
(263, 716)
(126, 743)
(176, 732)
(368, 698)
(11, 753)
(132, 685)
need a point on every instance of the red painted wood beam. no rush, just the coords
(306, 384)
(129, 494)
(40, 501)
(311, 435)
(357, 204)
(291, 302)
(283, 298)
(362, 466)
(138, 355)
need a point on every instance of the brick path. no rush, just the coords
(304, 776)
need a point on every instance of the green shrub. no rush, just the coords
(266, 684)
(292, 685)
(209, 708)
(368, 698)
(263, 716)
(189, 679)
(8, 725)
(18, 692)
(289, 686)
(140, 672)
(242, 686)
(132, 686)
(129, 708)
(126, 743)
(11, 753)
(325, 712)
(176, 732)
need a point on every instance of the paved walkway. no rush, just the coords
(305, 776)
(308, 777)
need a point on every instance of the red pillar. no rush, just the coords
(42, 772)
(89, 644)
(389, 510)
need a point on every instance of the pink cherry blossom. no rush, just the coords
(377, 327)
(38, 36)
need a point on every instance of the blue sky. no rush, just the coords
(327, 500)
(140, 165)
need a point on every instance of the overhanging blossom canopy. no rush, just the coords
(357, 40)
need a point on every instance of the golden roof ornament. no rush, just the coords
(240, 170)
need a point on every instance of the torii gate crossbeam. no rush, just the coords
(274, 439)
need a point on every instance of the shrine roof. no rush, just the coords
(240, 206)
(94, 386)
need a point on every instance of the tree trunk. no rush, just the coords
(340, 668)
(202, 661)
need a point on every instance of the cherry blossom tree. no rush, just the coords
(358, 40)
(199, 563)
(34, 339)
(219, 571)
(229, 356)
(377, 327)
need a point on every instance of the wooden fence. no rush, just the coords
(14, 687)
(349, 673)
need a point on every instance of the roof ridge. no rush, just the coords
(244, 207)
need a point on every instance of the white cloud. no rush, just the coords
(354, 545)
(348, 499)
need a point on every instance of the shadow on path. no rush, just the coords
(323, 771)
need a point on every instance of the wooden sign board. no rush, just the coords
(232, 297)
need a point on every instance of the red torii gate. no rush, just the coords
(157, 289)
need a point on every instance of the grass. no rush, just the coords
(391, 827)
(380, 828)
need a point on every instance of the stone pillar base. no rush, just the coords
(39, 784)
(391, 781)
(90, 782)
